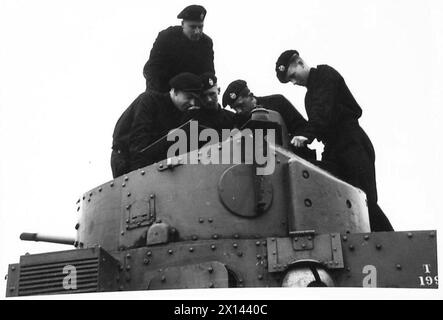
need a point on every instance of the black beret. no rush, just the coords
(282, 64)
(233, 91)
(209, 80)
(187, 82)
(193, 12)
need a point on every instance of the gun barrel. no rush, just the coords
(26, 236)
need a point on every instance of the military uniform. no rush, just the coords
(173, 53)
(333, 115)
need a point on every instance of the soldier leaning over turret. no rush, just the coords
(180, 49)
(333, 119)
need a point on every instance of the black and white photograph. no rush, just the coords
(220, 150)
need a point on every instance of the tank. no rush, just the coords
(218, 223)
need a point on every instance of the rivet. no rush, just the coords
(122, 233)
(236, 236)
(215, 236)
(260, 277)
(258, 256)
(126, 178)
(151, 196)
(77, 226)
(194, 238)
(432, 234)
(191, 249)
(336, 263)
(409, 234)
(303, 245)
(11, 288)
(211, 270)
(335, 249)
(13, 268)
(128, 207)
(273, 239)
(211, 285)
(378, 246)
(100, 189)
(308, 203)
(366, 237)
(128, 256)
(129, 194)
(90, 194)
(78, 201)
(163, 279)
(240, 280)
(274, 253)
(351, 247)
(295, 239)
(213, 247)
(142, 172)
(345, 238)
(348, 269)
(89, 200)
(170, 251)
(309, 238)
(257, 243)
(78, 208)
(235, 246)
(120, 267)
(146, 261)
(398, 266)
(128, 267)
(84, 198)
(210, 220)
(305, 174)
(240, 254)
(201, 220)
(173, 230)
(149, 253)
(111, 184)
(123, 184)
(264, 243)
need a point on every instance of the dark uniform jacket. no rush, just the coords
(173, 53)
(333, 115)
(293, 119)
(216, 119)
(154, 116)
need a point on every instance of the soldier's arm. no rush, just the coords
(320, 108)
(295, 121)
(143, 134)
(157, 69)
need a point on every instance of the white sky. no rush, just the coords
(68, 69)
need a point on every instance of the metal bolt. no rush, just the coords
(295, 239)
(129, 194)
(128, 207)
(260, 277)
(163, 279)
(89, 200)
(258, 256)
(11, 288)
(351, 247)
(348, 269)
(274, 253)
(335, 249)
(100, 189)
(83, 197)
(13, 268)
(215, 236)
(123, 184)
(309, 238)
(111, 184)
(409, 234)
(303, 245)
(142, 172)
(210, 269)
(191, 249)
(201, 220)
(366, 237)
(126, 178)
(305, 174)
(432, 234)
(149, 253)
(128, 256)
(308, 203)
(240, 280)
(77, 226)
(213, 247)
(257, 243)
(211, 285)
(122, 233)
(151, 196)
(170, 251)
(146, 261)
(273, 239)
(128, 267)
(78, 208)
(210, 220)
(378, 246)
(345, 238)
(235, 246)
(398, 266)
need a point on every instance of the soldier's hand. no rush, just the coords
(299, 141)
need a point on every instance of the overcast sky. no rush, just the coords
(68, 69)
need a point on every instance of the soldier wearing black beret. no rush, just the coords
(238, 96)
(177, 49)
(147, 119)
(333, 115)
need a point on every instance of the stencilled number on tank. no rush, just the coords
(370, 280)
(70, 281)
(427, 280)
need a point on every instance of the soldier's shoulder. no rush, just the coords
(327, 71)
(170, 32)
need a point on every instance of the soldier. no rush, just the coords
(212, 114)
(147, 119)
(179, 49)
(333, 115)
(238, 96)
